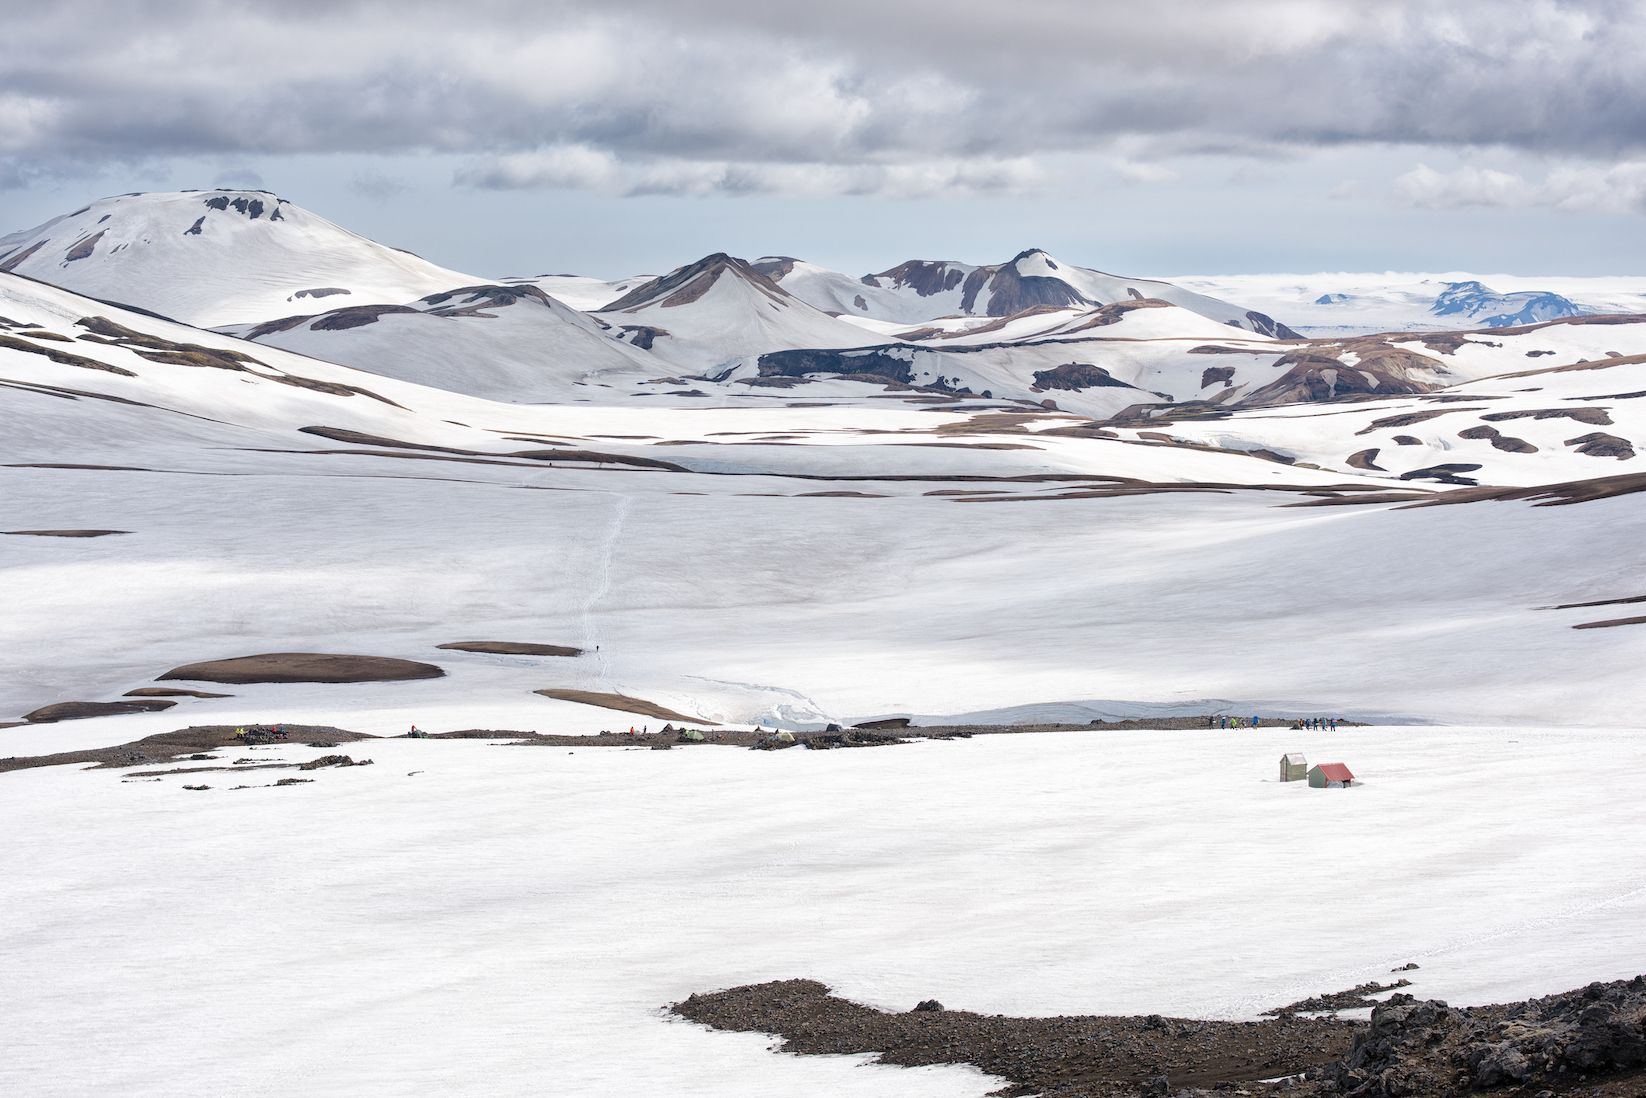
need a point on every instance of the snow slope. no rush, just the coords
(919, 291)
(464, 919)
(1096, 362)
(581, 291)
(719, 309)
(218, 257)
(1000, 575)
(504, 342)
(1405, 301)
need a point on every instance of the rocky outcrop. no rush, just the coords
(1546, 1045)
(1075, 376)
(1602, 445)
(870, 362)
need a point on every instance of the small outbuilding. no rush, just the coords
(1330, 776)
(1293, 767)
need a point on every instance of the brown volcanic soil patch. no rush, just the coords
(1602, 445)
(78, 710)
(169, 745)
(304, 667)
(1594, 417)
(1410, 419)
(62, 533)
(168, 692)
(1626, 600)
(1546, 495)
(360, 438)
(1365, 459)
(1610, 624)
(620, 702)
(1068, 1056)
(511, 648)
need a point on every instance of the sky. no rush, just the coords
(631, 136)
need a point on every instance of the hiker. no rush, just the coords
(1254, 720)
(1211, 722)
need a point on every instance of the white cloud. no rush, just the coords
(1138, 171)
(680, 95)
(582, 167)
(1620, 188)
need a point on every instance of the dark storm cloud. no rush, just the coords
(853, 96)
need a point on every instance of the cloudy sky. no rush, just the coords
(529, 136)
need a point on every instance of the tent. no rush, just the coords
(1293, 767)
(692, 735)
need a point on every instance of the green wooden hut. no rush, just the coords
(1293, 767)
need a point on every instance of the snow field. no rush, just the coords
(510, 920)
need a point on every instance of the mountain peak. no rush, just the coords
(684, 285)
(216, 257)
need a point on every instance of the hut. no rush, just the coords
(1293, 767)
(1330, 776)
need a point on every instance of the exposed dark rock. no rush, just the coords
(1500, 441)
(1448, 473)
(332, 760)
(62, 358)
(343, 319)
(1595, 417)
(1075, 376)
(1410, 419)
(83, 248)
(511, 648)
(78, 710)
(304, 667)
(1211, 375)
(1365, 459)
(800, 363)
(1601, 445)
(925, 278)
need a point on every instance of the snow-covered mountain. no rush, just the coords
(1472, 301)
(918, 291)
(218, 257)
(1340, 304)
(507, 342)
(1096, 362)
(720, 309)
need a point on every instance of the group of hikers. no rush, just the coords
(1322, 724)
(261, 733)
